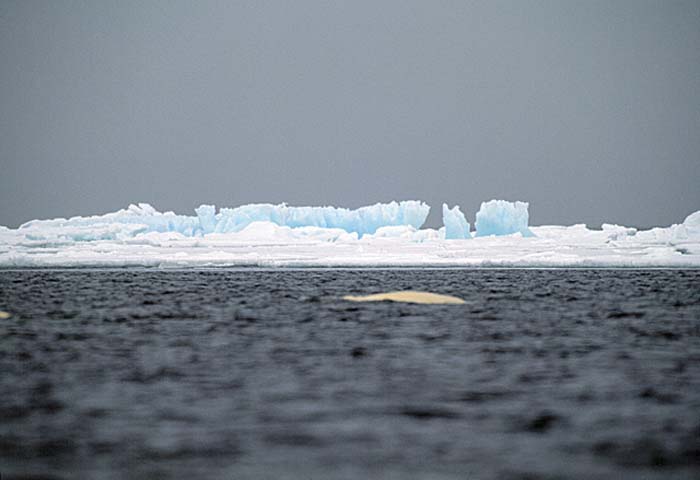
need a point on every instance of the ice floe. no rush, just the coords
(388, 235)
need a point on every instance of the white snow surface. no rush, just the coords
(141, 236)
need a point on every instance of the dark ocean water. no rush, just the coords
(146, 374)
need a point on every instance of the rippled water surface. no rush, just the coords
(270, 374)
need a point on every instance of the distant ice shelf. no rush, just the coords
(388, 235)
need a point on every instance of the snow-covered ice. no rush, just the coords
(379, 235)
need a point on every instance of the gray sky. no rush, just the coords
(589, 110)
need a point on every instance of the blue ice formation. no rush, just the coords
(500, 217)
(143, 218)
(362, 220)
(456, 226)
(496, 217)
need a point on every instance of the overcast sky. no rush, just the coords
(588, 110)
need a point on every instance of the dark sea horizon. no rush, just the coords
(146, 373)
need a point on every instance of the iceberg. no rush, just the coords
(127, 222)
(364, 220)
(691, 224)
(456, 226)
(500, 217)
(143, 218)
(382, 235)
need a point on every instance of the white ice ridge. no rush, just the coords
(388, 235)
(456, 226)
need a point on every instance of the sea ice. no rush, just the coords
(407, 296)
(133, 220)
(361, 221)
(456, 226)
(281, 236)
(143, 218)
(500, 217)
(692, 224)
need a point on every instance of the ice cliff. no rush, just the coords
(362, 221)
(499, 217)
(143, 218)
(456, 226)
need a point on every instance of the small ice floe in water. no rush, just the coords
(408, 296)
(4, 315)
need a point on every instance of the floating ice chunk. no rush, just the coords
(407, 296)
(456, 226)
(500, 217)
